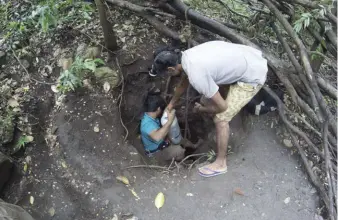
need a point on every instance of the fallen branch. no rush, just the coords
(305, 61)
(308, 168)
(327, 87)
(281, 110)
(120, 100)
(298, 68)
(147, 166)
(186, 128)
(232, 11)
(328, 168)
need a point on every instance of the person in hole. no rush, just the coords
(154, 136)
(209, 67)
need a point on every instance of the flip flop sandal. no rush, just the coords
(213, 172)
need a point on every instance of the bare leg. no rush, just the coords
(222, 137)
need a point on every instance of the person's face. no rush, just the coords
(174, 71)
(158, 112)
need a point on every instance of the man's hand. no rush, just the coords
(170, 106)
(171, 116)
(197, 107)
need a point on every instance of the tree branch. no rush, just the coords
(306, 63)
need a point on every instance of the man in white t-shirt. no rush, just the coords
(207, 67)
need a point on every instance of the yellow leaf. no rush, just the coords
(159, 201)
(96, 128)
(25, 167)
(123, 179)
(63, 164)
(31, 200)
(134, 193)
(51, 212)
(13, 103)
(29, 139)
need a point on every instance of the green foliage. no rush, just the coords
(43, 16)
(23, 140)
(305, 19)
(72, 78)
(211, 155)
(319, 49)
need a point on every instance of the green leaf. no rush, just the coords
(90, 65)
(99, 61)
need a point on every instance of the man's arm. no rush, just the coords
(220, 105)
(161, 133)
(181, 87)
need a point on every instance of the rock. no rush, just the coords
(25, 63)
(287, 143)
(2, 58)
(287, 200)
(5, 170)
(11, 211)
(65, 63)
(92, 53)
(80, 50)
(6, 129)
(106, 74)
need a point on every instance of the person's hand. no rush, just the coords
(171, 115)
(170, 107)
(197, 107)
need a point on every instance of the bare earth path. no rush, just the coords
(77, 176)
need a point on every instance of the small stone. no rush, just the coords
(25, 63)
(287, 143)
(106, 74)
(287, 200)
(51, 212)
(65, 63)
(91, 53)
(96, 129)
(80, 50)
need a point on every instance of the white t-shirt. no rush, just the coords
(219, 63)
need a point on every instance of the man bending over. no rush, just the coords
(207, 67)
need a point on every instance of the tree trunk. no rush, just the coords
(108, 33)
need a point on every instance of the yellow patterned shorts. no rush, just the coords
(238, 96)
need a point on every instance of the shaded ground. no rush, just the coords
(73, 169)
(76, 175)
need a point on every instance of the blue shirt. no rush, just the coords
(148, 125)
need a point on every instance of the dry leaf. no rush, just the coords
(16, 109)
(134, 193)
(31, 200)
(287, 200)
(54, 89)
(239, 191)
(123, 179)
(29, 139)
(63, 164)
(13, 103)
(115, 217)
(28, 159)
(159, 201)
(106, 87)
(51, 211)
(96, 128)
(25, 167)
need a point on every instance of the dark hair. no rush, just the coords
(165, 57)
(153, 101)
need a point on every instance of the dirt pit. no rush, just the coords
(139, 82)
